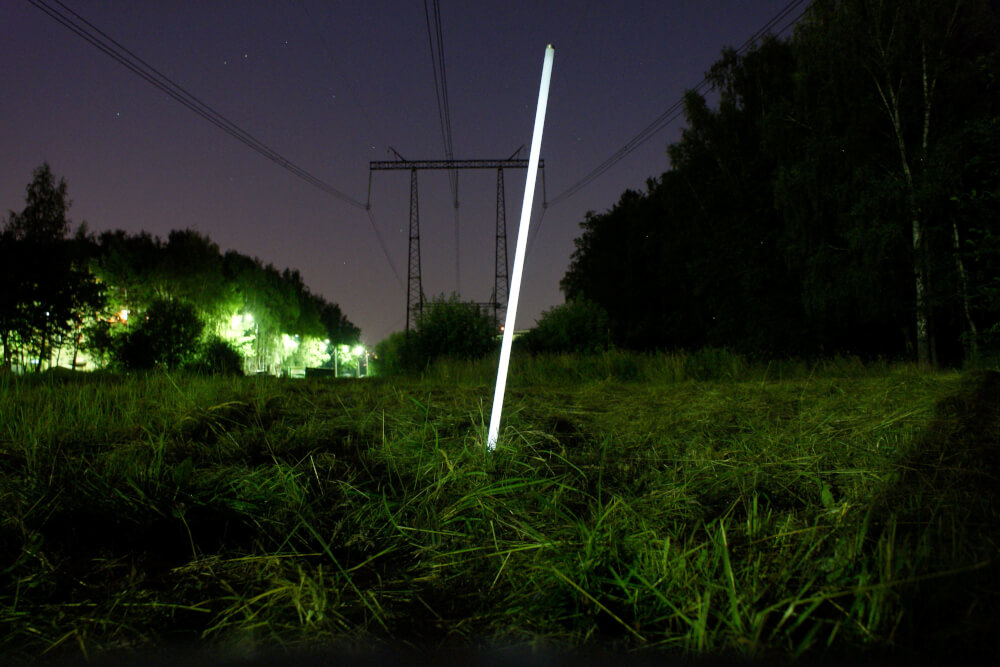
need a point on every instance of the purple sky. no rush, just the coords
(135, 159)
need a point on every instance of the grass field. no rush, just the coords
(695, 505)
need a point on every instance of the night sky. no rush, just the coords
(330, 86)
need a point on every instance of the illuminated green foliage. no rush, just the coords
(268, 316)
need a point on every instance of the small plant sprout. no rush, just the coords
(522, 242)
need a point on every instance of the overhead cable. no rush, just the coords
(435, 38)
(675, 110)
(105, 43)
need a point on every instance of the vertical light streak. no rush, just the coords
(522, 242)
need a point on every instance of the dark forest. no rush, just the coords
(833, 193)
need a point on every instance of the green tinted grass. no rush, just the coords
(634, 503)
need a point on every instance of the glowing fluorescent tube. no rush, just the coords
(522, 243)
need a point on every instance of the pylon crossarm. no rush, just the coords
(377, 165)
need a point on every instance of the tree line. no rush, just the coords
(137, 301)
(840, 195)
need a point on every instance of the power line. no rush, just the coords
(766, 28)
(108, 45)
(534, 235)
(392, 327)
(444, 115)
(674, 111)
(105, 43)
(385, 250)
(440, 81)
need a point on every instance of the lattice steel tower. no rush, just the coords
(414, 287)
(501, 281)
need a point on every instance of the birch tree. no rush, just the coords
(904, 49)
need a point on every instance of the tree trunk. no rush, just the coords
(76, 347)
(889, 93)
(5, 340)
(920, 280)
(970, 343)
(41, 348)
(891, 102)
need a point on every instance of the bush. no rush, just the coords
(450, 328)
(447, 328)
(168, 336)
(390, 355)
(99, 343)
(218, 357)
(578, 326)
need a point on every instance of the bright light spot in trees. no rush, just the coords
(313, 352)
(241, 322)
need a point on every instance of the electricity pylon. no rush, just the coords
(414, 287)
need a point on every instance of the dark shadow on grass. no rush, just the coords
(946, 502)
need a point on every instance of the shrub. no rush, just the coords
(99, 343)
(390, 355)
(168, 336)
(218, 357)
(577, 326)
(447, 328)
(450, 328)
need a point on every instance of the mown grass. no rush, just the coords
(697, 505)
